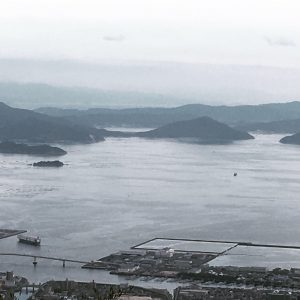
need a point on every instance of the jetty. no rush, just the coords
(5, 233)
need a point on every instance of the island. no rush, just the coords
(291, 139)
(45, 150)
(204, 128)
(53, 163)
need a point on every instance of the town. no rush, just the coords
(186, 263)
(12, 287)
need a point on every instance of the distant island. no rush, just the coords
(292, 139)
(203, 130)
(14, 148)
(54, 163)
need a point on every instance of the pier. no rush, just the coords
(143, 245)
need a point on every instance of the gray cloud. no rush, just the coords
(114, 38)
(281, 42)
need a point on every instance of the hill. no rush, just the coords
(26, 125)
(204, 129)
(292, 139)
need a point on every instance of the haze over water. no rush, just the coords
(121, 192)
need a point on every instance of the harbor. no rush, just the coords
(152, 264)
(168, 257)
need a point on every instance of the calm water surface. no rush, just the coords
(118, 193)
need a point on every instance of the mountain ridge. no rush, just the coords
(156, 116)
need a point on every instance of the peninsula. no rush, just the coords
(45, 150)
(26, 125)
(291, 139)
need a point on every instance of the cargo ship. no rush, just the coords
(31, 240)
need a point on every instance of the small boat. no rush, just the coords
(31, 240)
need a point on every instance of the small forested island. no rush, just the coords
(291, 139)
(14, 148)
(53, 163)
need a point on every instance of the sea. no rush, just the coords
(121, 192)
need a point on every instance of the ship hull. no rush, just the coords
(29, 242)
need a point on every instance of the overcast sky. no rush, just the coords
(252, 32)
